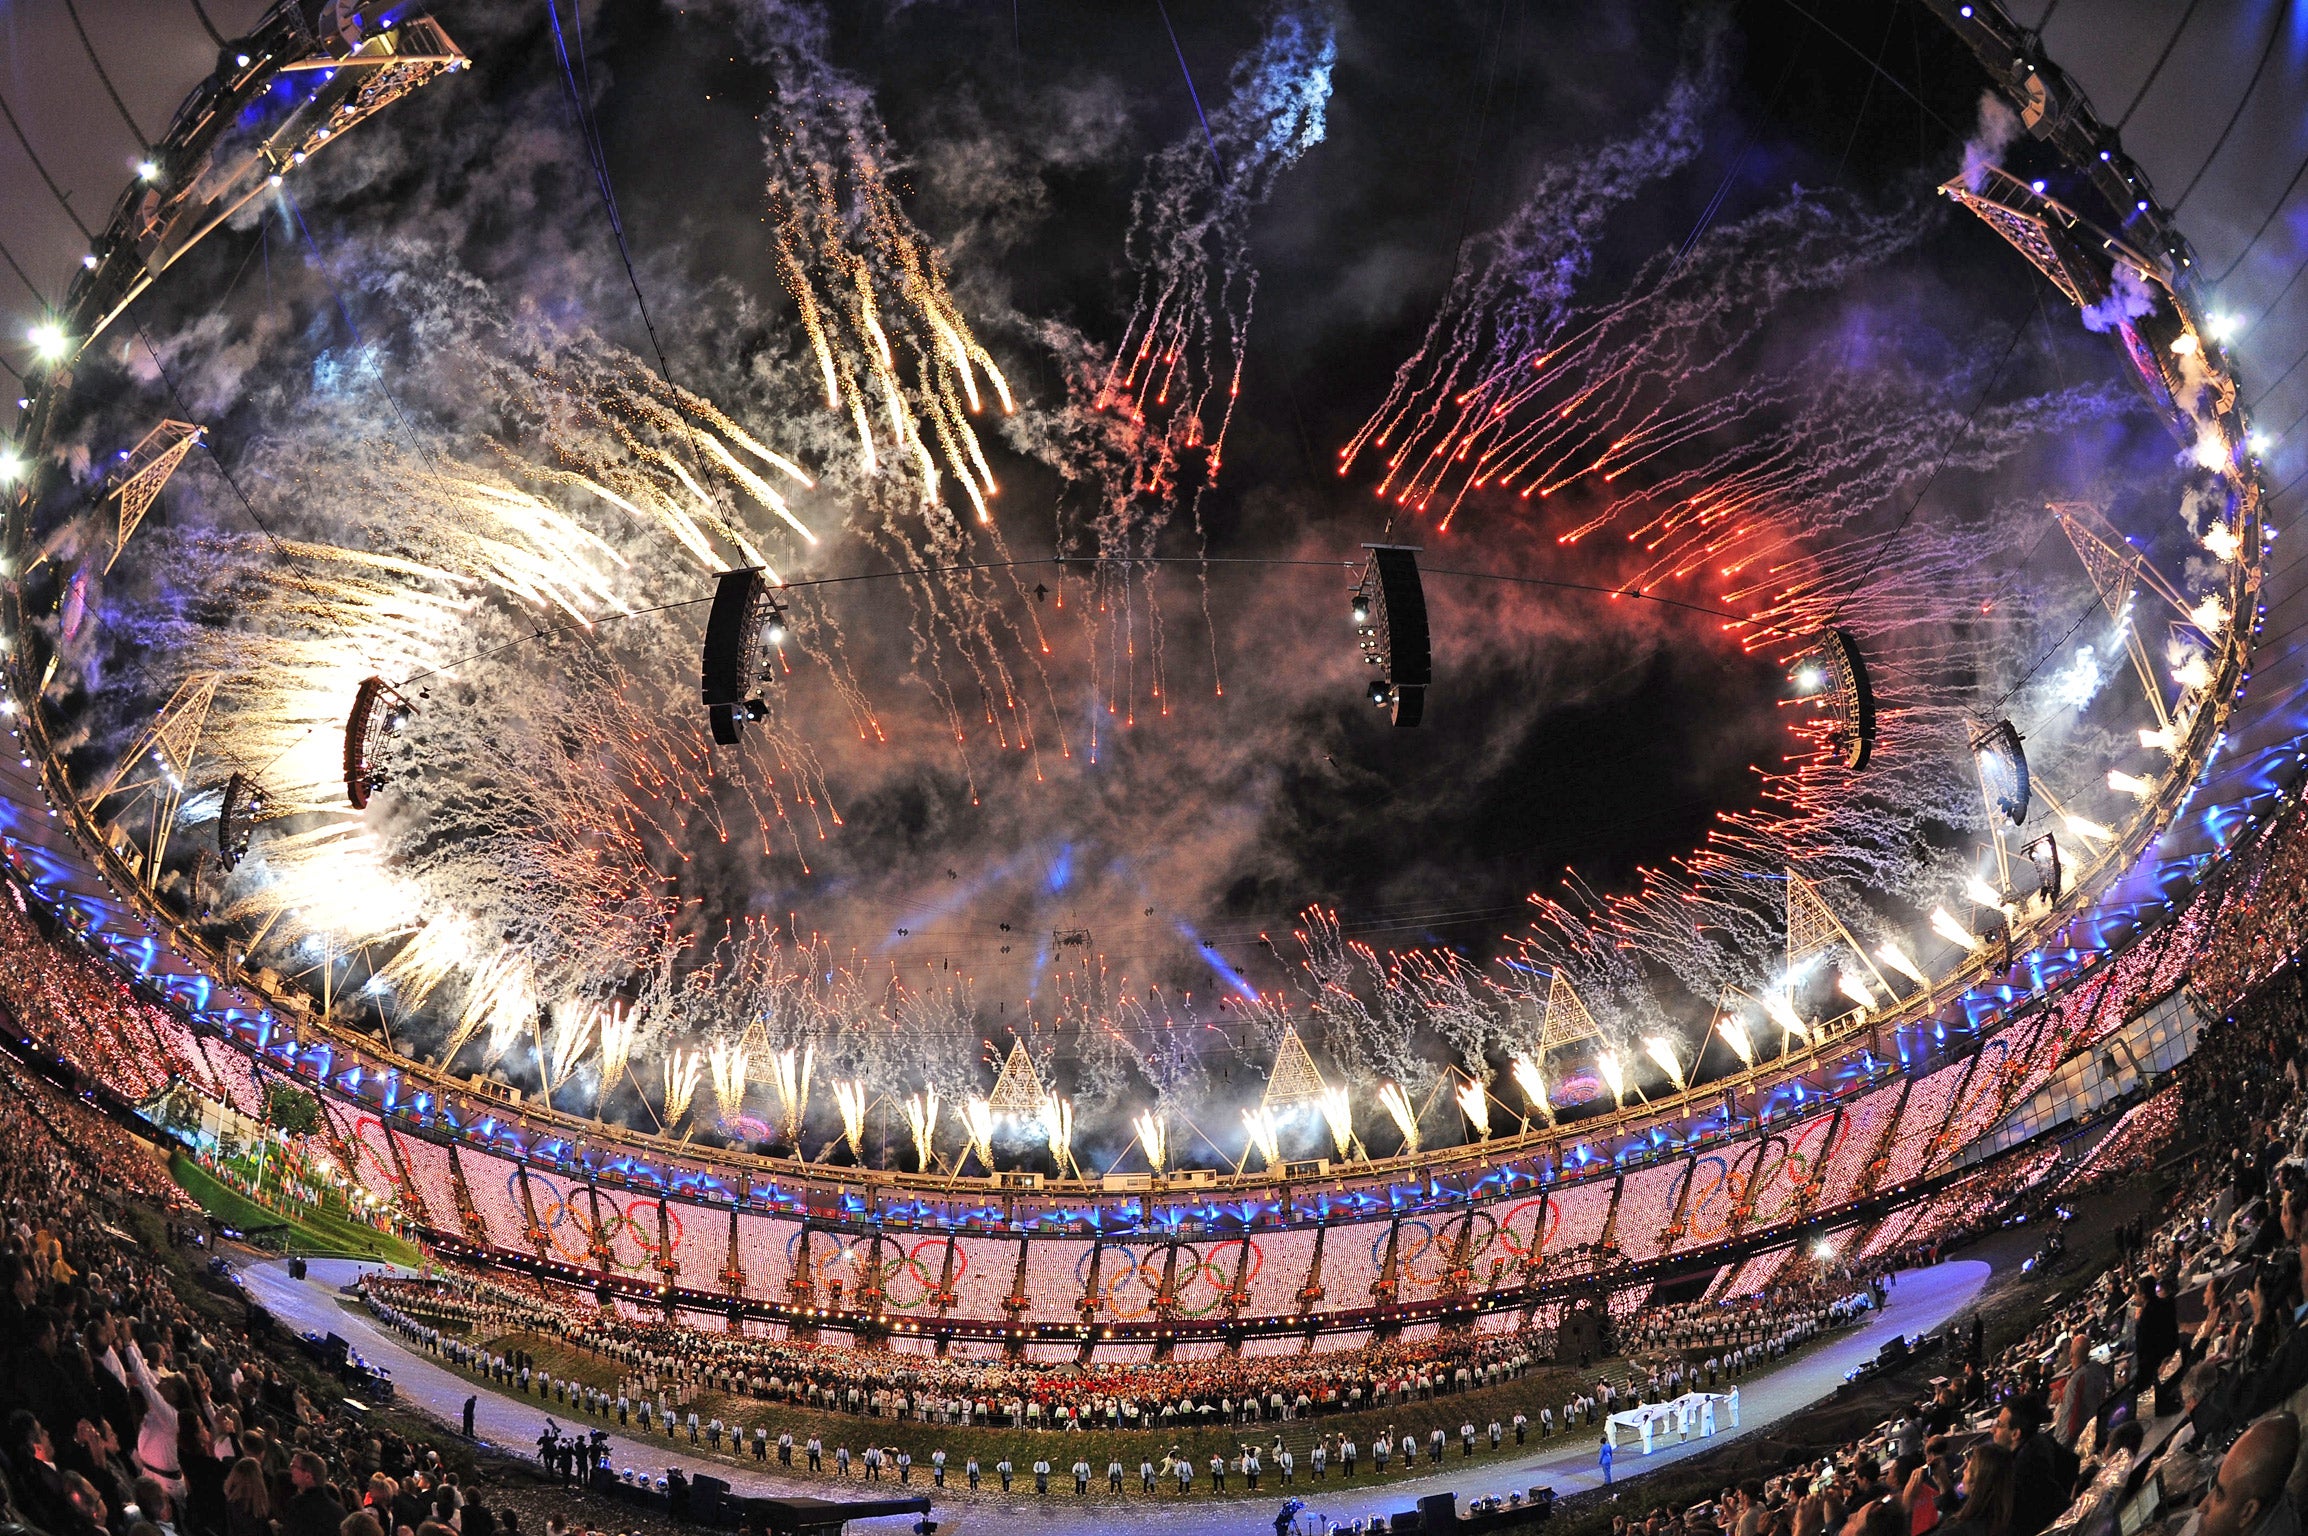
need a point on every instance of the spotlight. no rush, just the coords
(240, 59)
(48, 341)
(1810, 679)
(147, 171)
(1361, 609)
(2222, 327)
(2184, 344)
(1380, 693)
(774, 633)
(12, 467)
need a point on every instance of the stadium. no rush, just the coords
(764, 801)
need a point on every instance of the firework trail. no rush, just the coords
(1602, 390)
(1513, 290)
(1143, 431)
(892, 359)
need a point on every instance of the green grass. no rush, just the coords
(312, 1233)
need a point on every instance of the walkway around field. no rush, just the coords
(1921, 1300)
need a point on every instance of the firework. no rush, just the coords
(1265, 1135)
(977, 1118)
(1339, 1116)
(850, 1099)
(1397, 1104)
(1734, 1032)
(1532, 1081)
(573, 1029)
(1614, 1074)
(683, 1069)
(728, 1060)
(1475, 1104)
(789, 1076)
(1662, 1050)
(922, 1120)
(1153, 1140)
(1057, 1122)
(619, 1025)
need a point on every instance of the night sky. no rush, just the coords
(1566, 730)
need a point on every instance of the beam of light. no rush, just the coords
(2126, 784)
(978, 1126)
(2159, 739)
(1475, 1104)
(1734, 1034)
(683, 1070)
(1397, 1104)
(1265, 1135)
(728, 1059)
(1338, 1114)
(1899, 960)
(1857, 990)
(1152, 1139)
(922, 1120)
(1982, 894)
(2089, 831)
(1945, 925)
(49, 343)
(849, 1097)
(1662, 1050)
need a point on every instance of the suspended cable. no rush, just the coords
(63, 199)
(1192, 94)
(2141, 95)
(598, 158)
(2278, 207)
(2278, 383)
(206, 25)
(72, 9)
(416, 443)
(2281, 294)
(1885, 75)
(30, 286)
(2274, 31)
(184, 411)
(1940, 463)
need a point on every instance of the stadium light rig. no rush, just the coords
(1833, 675)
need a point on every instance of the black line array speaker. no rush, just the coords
(731, 633)
(1405, 649)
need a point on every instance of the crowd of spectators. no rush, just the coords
(2164, 1394)
(128, 1410)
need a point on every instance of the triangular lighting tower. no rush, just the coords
(1295, 1081)
(1018, 1091)
(2118, 571)
(145, 472)
(1813, 930)
(1567, 1021)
